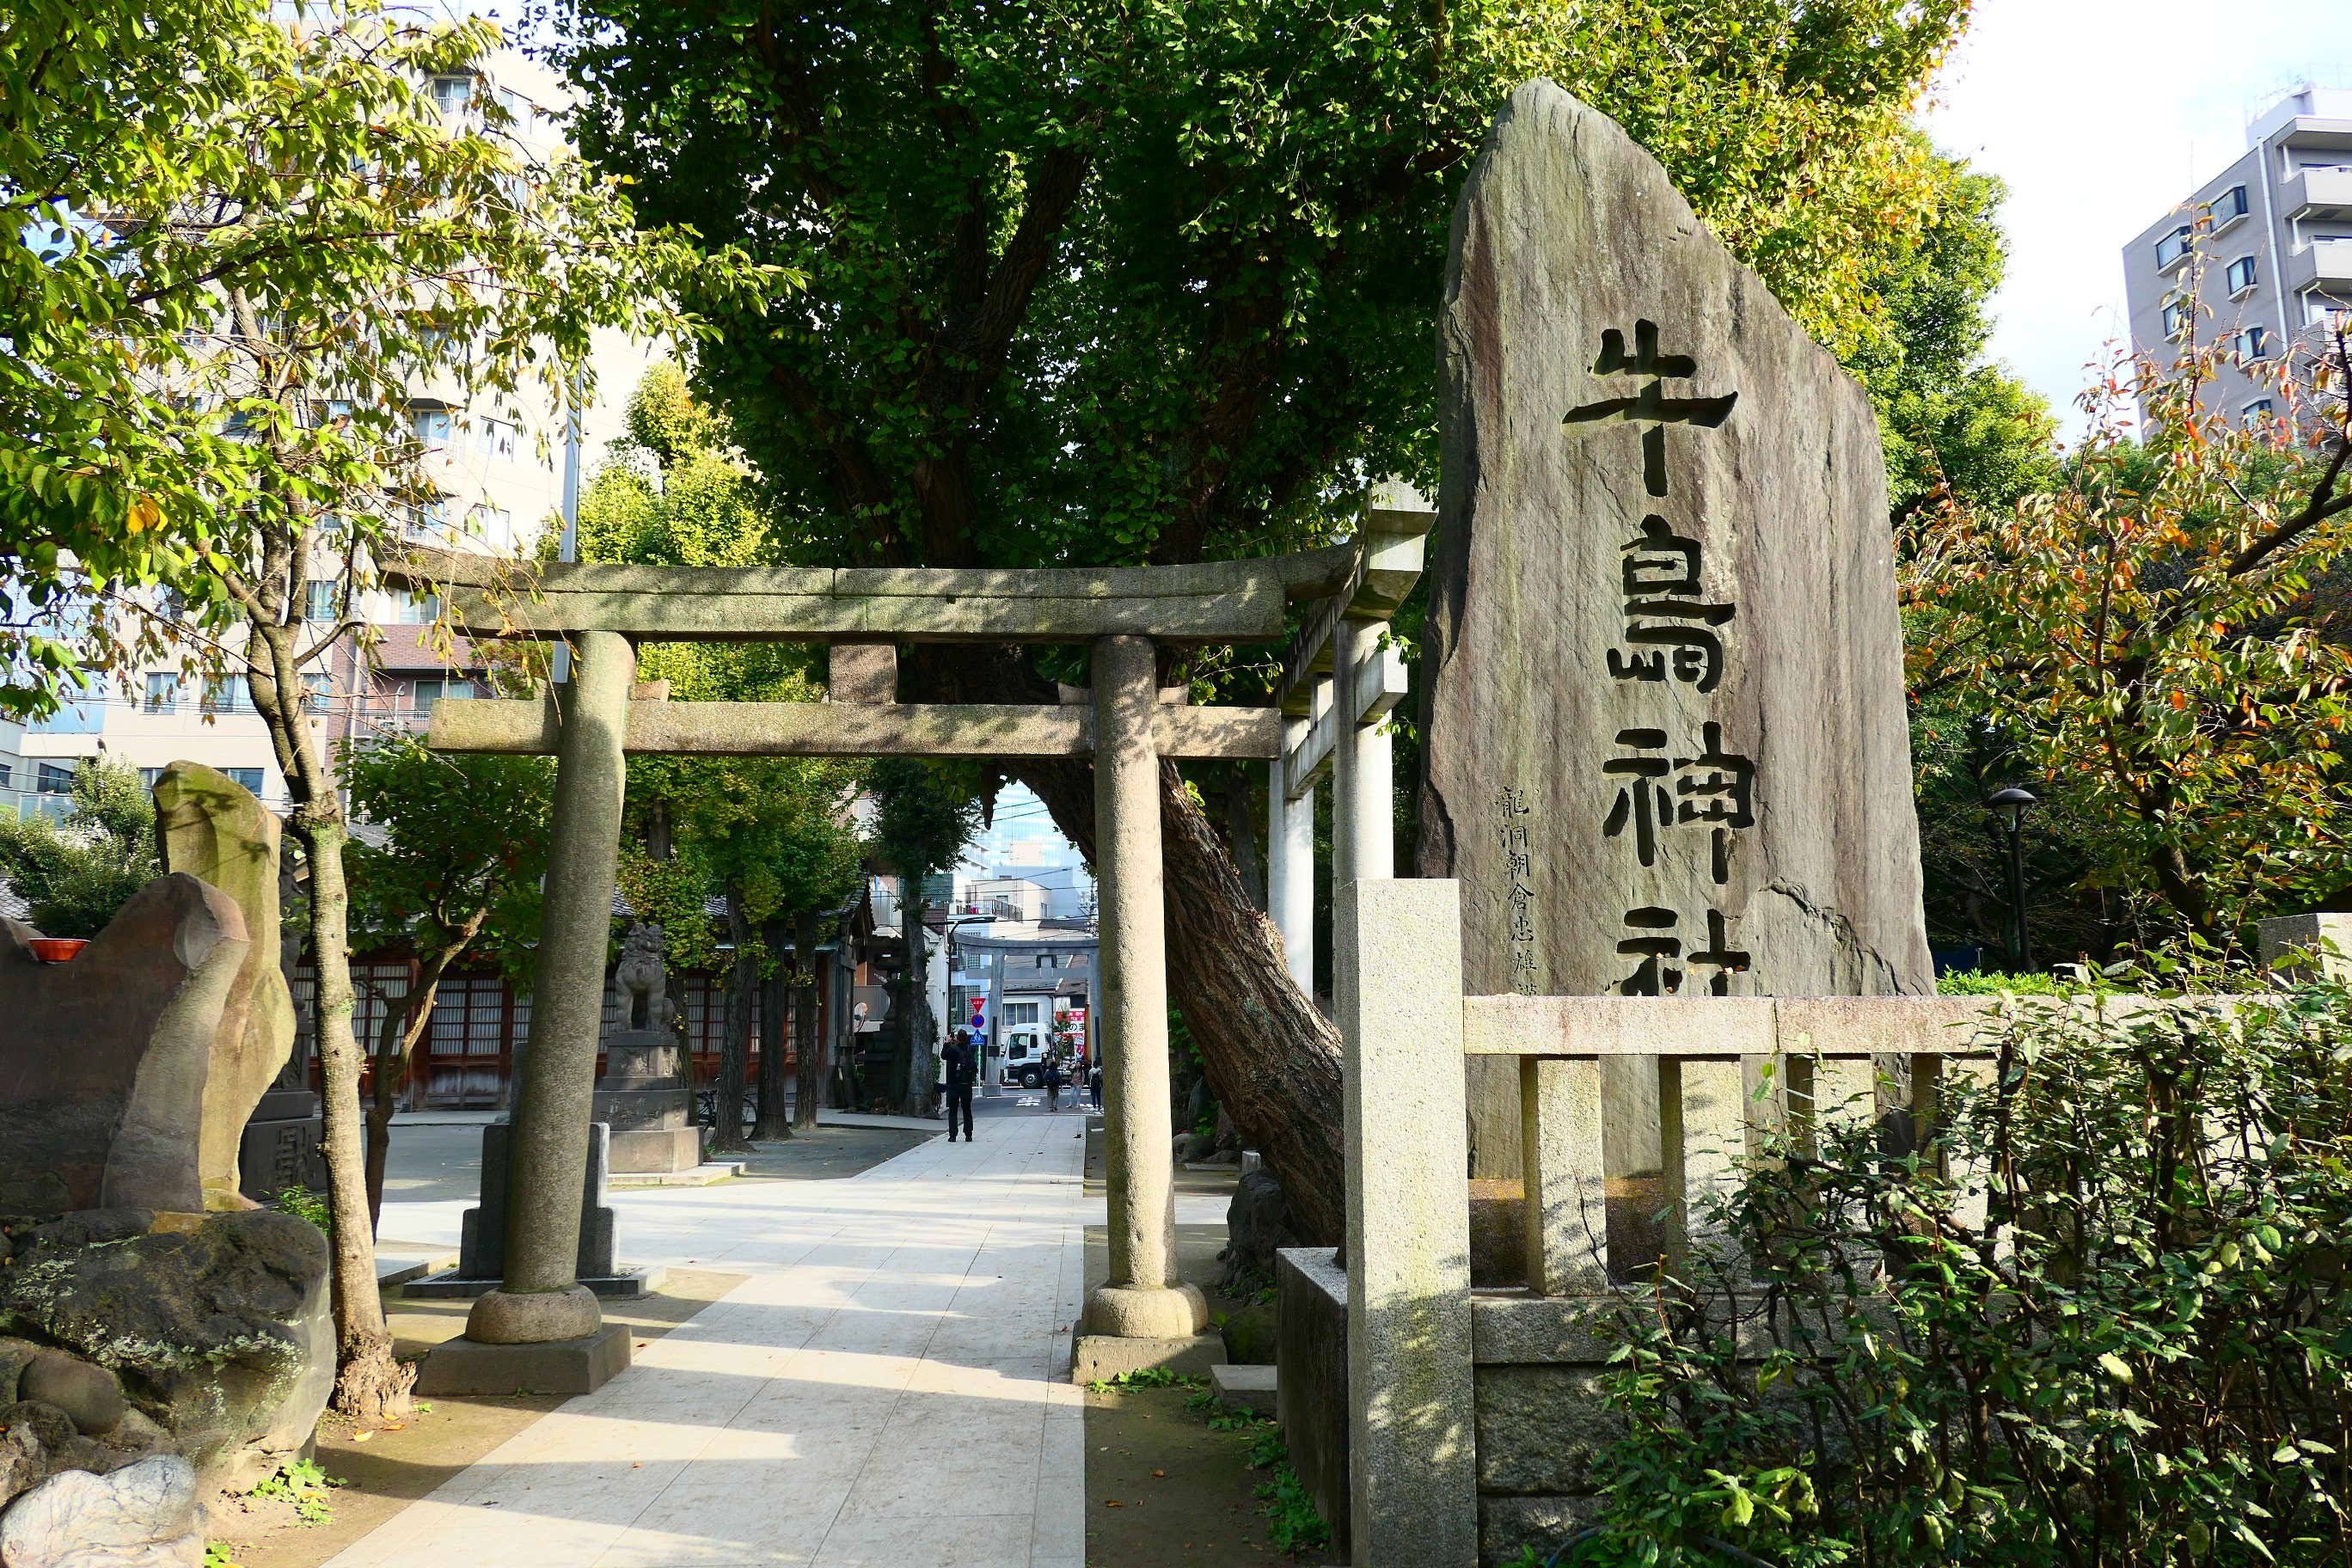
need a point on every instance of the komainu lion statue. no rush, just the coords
(644, 999)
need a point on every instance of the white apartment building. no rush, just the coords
(2259, 257)
(500, 481)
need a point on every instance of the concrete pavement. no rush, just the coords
(888, 1386)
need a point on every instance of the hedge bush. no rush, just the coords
(2100, 1320)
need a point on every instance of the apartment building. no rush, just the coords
(2259, 257)
(497, 482)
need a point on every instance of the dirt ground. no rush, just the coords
(1163, 1489)
(384, 1471)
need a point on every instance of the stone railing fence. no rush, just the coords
(1460, 1421)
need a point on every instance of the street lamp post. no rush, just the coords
(2010, 805)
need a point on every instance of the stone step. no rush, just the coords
(1244, 1387)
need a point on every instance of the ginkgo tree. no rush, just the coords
(248, 235)
(2158, 637)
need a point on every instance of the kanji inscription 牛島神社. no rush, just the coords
(1672, 633)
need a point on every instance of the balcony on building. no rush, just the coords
(2319, 191)
(2325, 265)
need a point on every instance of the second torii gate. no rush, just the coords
(541, 1327)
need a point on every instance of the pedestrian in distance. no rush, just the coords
(961, 1065)
(1054, 1076)
(1094, 1084)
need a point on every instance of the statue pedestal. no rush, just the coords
(643, 1098)
(482, 1246)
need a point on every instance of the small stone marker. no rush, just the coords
(1665, 747)
(217, 831)
(482, 1229)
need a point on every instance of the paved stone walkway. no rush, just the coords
(888, 1388)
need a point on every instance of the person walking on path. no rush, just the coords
(1054, 1083)
(1094, 1084)
(961, 1064)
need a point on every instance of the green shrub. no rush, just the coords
(302, 1204)
(2102, 1323)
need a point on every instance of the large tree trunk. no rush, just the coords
(1273, 1059)
(742, 983)
(775, 989)
(809, 1051)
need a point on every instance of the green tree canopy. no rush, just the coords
(74, 875)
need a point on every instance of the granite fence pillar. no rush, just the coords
(1414, 1482)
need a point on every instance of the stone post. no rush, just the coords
(1290, 862)
(1143, 1300)
(1413, 1483)
(542, 1300)
(2328, 937)
(1363, 817)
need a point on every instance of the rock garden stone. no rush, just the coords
(217, 830)
(142, 1516)
(104, 1059)
(88, 1393)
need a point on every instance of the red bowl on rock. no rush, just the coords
(57, 949)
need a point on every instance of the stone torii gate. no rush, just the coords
(541, 1329)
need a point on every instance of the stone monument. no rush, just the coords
(104, 1060)
(642, 1095)
(1665, 749)
(482, 1231)
(215, 829)
(138, 1335)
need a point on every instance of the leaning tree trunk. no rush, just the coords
(774, 1123)
(742, 985)
(809, 1055)
(1273, 1060)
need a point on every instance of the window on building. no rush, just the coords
(226, 694)
(2176, 317)
(318, 691)
(452, 95)
(318, 601)
(2174, 247)
(2254, 343)
(2241, 276)
(147, 777)
(493, 437)
(5, 772)
(414, 609)
(2228, 206)
(250, 778)
(54, 778)
(2260, 408)
(162, 693)
(494, 522)
(425, 693)
(1019, 1012)
(2336, 315)
(432, 426)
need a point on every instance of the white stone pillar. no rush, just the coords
(1363, 805)
(1412, 1474)
(1142, 1298)
(1290, 862)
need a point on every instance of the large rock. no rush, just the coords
(1666, 748)
(142, 1516)
(217, 830)
(217, 1332)
(104, 1059)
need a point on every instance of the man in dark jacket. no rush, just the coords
(962, 1059)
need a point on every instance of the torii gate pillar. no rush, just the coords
(1144, 1315)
